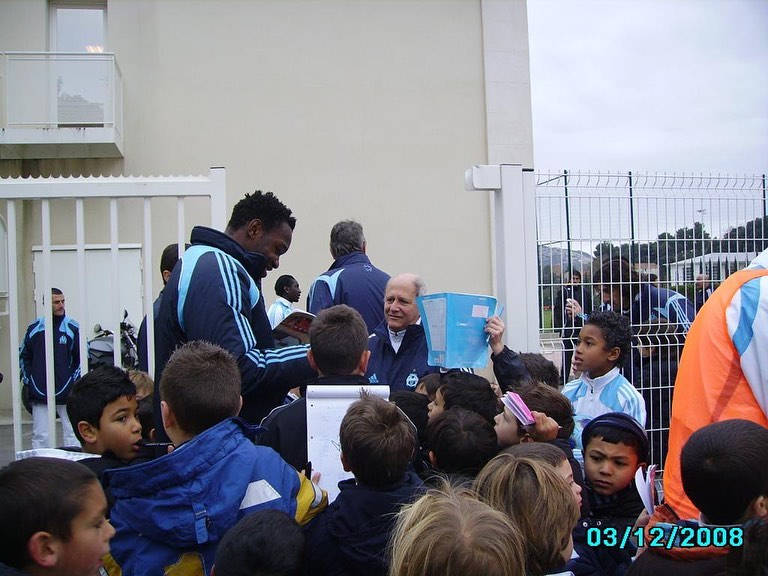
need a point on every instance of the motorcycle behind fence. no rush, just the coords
(101, 347)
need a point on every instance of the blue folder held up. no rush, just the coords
(455, 328)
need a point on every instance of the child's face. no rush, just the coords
(119, 428)
(592, 354)
(566, 473)
(90, 533)
(293, 292)
(437, 406)
(609, 467)
(507, 429)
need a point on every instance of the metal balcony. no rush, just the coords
(60, 105)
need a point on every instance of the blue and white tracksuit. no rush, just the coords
(591, 397)
(66, 358)
(354, 281)
(214, 294)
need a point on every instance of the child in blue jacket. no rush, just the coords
(171, 513)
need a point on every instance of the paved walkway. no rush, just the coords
(6, 435)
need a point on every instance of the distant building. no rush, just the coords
(717, 265)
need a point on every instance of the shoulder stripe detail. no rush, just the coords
(750, 300)
(39, 326)
(232, 291)
(188, 264)
(330, 280)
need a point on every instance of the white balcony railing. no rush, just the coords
(61, 99)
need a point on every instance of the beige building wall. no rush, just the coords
(369, 110)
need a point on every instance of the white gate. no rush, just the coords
(85, 191)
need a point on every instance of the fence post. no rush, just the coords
(514, 197)
(567, 226)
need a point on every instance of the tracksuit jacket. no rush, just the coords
(654, 304)
(354, 281)
(400, 370)
(66, 358)
(170, 513)
(214, 294)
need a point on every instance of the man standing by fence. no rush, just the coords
(570, 324)
(66, 369)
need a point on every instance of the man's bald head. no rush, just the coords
(400, 307)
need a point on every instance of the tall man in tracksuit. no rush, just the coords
(214, 294)
(66, 369)
(351, 279)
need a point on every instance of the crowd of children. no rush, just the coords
(447, 479)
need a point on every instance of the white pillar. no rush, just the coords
(514, 198)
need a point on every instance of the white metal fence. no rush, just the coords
(672, 229)
(85, 191)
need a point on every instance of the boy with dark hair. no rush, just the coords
(338, 350)
(288, 292)
(465, 390)
(460, 443)
(265, 543)
(724, 469)
(52, 519)
(102, 409)
(414, 405)
(615, 446)
(351, 536)
(144, 413)
(429, 384)
(604, 342)
(541, 369)
(176, 508)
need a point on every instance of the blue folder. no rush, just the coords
(455, 328)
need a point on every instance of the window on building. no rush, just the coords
(80, 82)
(78, 26)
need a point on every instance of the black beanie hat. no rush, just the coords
(623, 422)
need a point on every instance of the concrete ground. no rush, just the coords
(6, 435)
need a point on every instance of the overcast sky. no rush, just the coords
(675, 85)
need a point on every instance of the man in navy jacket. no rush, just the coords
(215, 295)
(398, 345)
(351, 279)
(66, 369)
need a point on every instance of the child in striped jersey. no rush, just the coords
(604, 342)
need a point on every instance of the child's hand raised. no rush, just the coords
(494, 327)
(544, 429)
